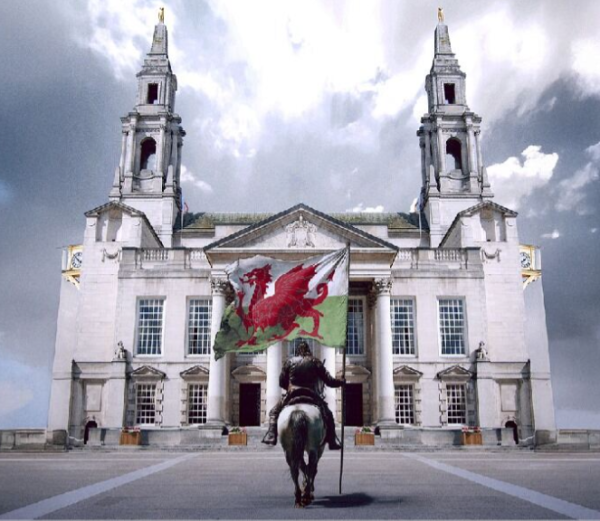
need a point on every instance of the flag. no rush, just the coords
(277, 300)
(186, 208)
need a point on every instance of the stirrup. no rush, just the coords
(270, 437)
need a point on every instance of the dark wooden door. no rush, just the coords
(249, 405)
(354, 405)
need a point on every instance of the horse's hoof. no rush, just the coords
(298, 505)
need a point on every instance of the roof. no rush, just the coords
(274, 217)
(395, 221)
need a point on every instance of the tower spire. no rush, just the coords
(453, 174)
(148, 174)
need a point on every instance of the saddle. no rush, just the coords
(305, 396)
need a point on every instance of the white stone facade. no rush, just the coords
(444, 334)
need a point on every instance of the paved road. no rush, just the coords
(253, 485)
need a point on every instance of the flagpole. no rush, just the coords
(344, 366)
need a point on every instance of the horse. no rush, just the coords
(302, 429)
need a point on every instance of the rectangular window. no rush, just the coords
(197, 404)
(199, 318)
(457, 403)
(293, 346)
(145, 404)
(403, 326)
(150, 325)
(449, 94)
(152, 98)
(452, 326)
(405, 409)
(355, 342)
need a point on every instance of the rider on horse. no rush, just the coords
(303, 377)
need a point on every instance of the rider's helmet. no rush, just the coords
(303, 349)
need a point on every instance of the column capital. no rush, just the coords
(219, 286)
(382, 286)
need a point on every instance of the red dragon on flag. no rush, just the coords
(277, 300)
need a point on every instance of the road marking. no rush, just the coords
(47, 506)
(559, 506)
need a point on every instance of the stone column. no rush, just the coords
(385, 362)
(441, 149)
(160, 149)
(274, 361)
(217, 379)
(329, 354)
(131, 145)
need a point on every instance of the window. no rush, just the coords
(145, 408)
(405, 410)
(457, 403)
(148, 155)
(197, 404)
(293, 346)
(199, 318)
(355, 341)
(449, 94)
(150, 323)
(152, 98)
(453, 155)
(403, 327)
(452, 326)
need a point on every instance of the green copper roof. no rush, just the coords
(207, 221)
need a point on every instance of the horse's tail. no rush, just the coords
(299, 428)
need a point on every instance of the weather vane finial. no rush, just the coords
(161, 14)
(440, 15)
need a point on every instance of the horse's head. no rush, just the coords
(258, 276)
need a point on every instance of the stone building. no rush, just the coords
(447, 323)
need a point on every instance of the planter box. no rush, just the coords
(364, 438)
(238, 438)
(472, 438)
(130, 438)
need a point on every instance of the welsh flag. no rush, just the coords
(277, 300)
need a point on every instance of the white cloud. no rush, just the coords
(593, 230)
(189, 178)
(513, 181)
(552, 235)
(586, 66)
(571, 192)
(594, 152)
(360, 208)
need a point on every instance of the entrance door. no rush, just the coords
(354, 405)
(249, 405)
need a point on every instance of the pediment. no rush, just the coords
(249, 373)
(112, 206)
(302, 229)
(147, 372)
(488, 206)
(405, 371)
(456, 372)
(195, 372)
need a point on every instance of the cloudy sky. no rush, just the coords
(298, 101)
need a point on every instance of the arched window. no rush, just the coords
(148, 155)
(453, 155)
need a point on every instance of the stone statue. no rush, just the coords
(161, 14)
(121, 352)
(440, 15)
(481, 352)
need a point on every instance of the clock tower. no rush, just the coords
(147, 177)
(453, 175)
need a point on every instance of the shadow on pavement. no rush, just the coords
(344, 501)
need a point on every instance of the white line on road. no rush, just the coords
(47, 506)
(559, 506)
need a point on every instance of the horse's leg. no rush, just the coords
(311, 471)
(295, 473)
